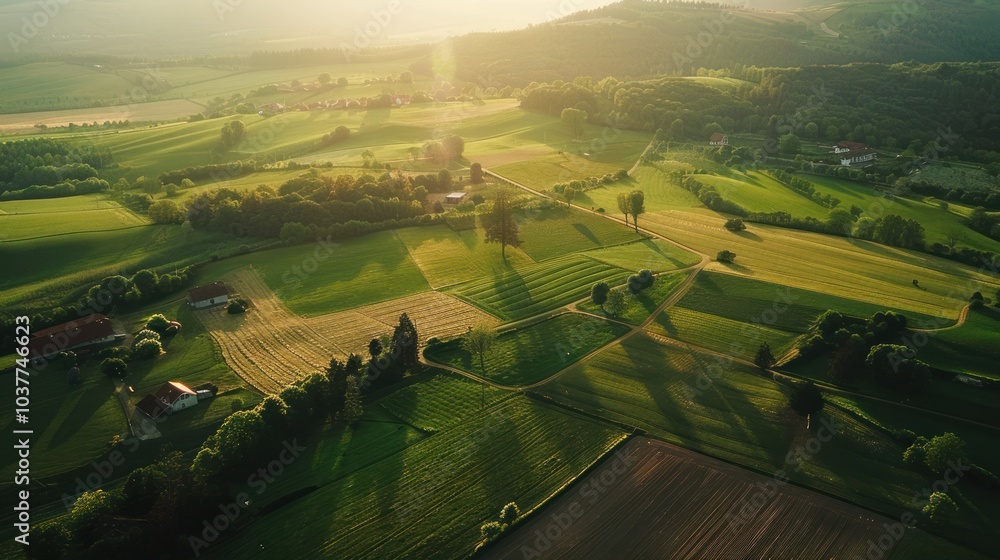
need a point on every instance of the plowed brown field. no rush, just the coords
(654, 500)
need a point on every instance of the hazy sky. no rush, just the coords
(185, 26)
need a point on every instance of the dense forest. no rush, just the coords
(928, 111)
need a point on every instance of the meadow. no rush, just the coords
(20, 227)
(325, 277)
(969, 348)
(420, 500)
(58, 268)
(846, 268)
(728, 411)
(532, 353)
(639, 307)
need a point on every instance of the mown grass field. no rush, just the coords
(851, 269)
(430, 497)
(640, 306)
(748, 300)
(315, 279)
(546, 234)
(731, 412)
(533, 353)
(759, 193)
(970, 348)
(528, 290)
(545, 171)
(737, 338)
(72, 424)
(656, 255)
(447, 257)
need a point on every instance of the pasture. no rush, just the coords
(738, 338)
(850, 269)
(554, 232)
(940, 225)
(530, 354)
(31, 225)
(325, 277)
(56, 267)
(429, 498)
(652, 495)
(640, 306)
(969, 348)
(726, 410)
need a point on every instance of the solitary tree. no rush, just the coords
(575, 118)
(569, 193)
(764, 358)
(806, 400)
(636, 206)
(501, 227)
(232, 134)
(375, 348)
(480, 342)
(940, 507)
(352, 402)
(476, 173)
(324, 78)
(623, 206)
(599, 293)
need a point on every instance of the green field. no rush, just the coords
(531, 354)
(546, 234)
(759, 193)
(18, 227)
(72, 424)
(861, 270)
(941, 226)
(55, 268)
(640, 306)
(430, 497)
(735, 338)
(970, 348)
(52, 84)
(656, 255)
(734, 414)
(532, 289)
(447, 257)
(322, 278)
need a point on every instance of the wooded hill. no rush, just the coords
(636, 39)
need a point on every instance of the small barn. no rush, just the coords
(718, 139)
(208, 295)
(169, 398)
(454, 198)
(87, 331)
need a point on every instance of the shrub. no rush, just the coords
(146, 334)
(433, 341)
(123, 353)
(147, 349)
(491, 530)
(114, 367)
(237, 306)
(509, 513)
(725, 256)
(735, 224)
(157, 323)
